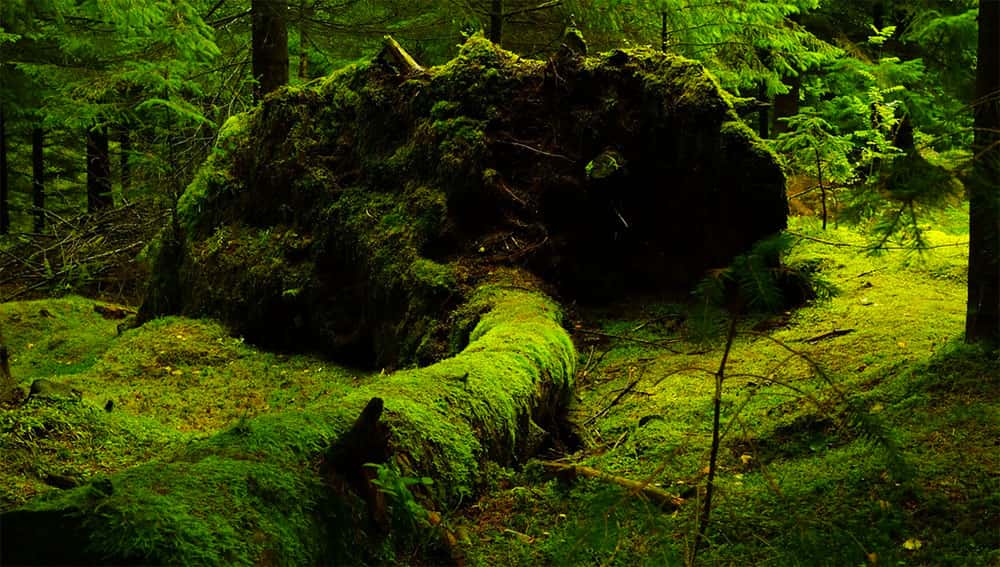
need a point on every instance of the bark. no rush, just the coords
(763, 116)
(4, 177)
(663, 31)
(786, 105)
(38, 178)
(8, 386)
(446, 421)
(305, 12)
(669, 502)
(269, 45)
(98, 170)
(496, 21)
(983, 313)
(394, 54)
(124, 150)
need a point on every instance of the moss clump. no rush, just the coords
(54, 337)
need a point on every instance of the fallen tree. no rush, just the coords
(292, 488)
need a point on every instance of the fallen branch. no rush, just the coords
(870, 247)
(536, 150)
(402, 60)
(664, 499)
(631, 386)
(831, 335)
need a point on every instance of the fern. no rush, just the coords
(868, 427)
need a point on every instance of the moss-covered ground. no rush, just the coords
(145, 392)
(895, 464)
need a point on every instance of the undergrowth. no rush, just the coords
(874, 444)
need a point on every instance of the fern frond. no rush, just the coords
(870, 428)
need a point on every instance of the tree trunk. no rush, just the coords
(124, 149)
(297, 475)
(763, 116)
(305, 12)
(8, 385)
(787, 104)
(98, 170)
(38, 178)
(4, 178)
(982, 323)
(269, 46)
(496, 21)
(663, 31)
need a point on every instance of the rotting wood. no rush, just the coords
(398, 56)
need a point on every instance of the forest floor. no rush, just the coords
(857, 430)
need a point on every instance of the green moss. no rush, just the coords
(54, 337)
(432, 275)
(444, 109)
(251, 493)
(213, 176)
(737, 134)
(166, 381)
(605, 165)
(73, 441)
(815, 490)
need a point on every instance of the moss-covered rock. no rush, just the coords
(347, 217)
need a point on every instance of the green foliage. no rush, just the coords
(759, 282)
(745, 43)
(815, 148)
(859, 146)
(408, 515)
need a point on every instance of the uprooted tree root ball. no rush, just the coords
(345, 217)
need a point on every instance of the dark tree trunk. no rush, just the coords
(4, 176)
(763, 117)
(787, 104)
(982, 323)
(305, 12)
(38, 177)
(124, 149)
(269, 45)
(496, 21)
(663, 31)
(98, 170)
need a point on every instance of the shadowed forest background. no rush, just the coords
(499, 281)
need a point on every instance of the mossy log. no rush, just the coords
(348, 216)
(291, 488)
